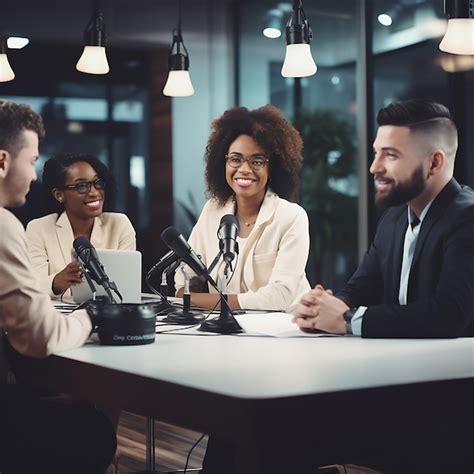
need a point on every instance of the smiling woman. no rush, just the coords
(78, 188)
(252, 162)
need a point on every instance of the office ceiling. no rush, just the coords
(128, 22)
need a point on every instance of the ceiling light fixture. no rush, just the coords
(459, 36)
(298, 60)
(273, 23)
(17, 42)
(6, 72)
(93, 59)
(179, 81)
(385, 19)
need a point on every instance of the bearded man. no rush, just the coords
(417, 278)
(415, 281)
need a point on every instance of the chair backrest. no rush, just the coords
(4, 367)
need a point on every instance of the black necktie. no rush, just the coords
(415, 221)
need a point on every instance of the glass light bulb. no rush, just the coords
(6, 72)
(93, 60)
(459, 36)
(298, 61)
(178, 84)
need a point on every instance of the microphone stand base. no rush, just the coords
(184, 317)
(161, 307)
(221, 326)
(164, 307)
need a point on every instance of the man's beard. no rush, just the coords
(404, 192)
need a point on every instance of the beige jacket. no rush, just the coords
(49, 240)
(270, 273)
(27, 315)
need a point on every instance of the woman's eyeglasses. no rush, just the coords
(255, 162)
(85, 186)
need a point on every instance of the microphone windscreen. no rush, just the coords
(170, 234)
(230, 219)
(81, 243)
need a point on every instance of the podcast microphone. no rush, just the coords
(163, 263)
(229, 229)
(168, 263)
(176, 242)
(88, 256)
(117, 324)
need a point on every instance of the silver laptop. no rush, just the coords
(124, 267)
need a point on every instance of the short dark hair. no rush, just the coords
(55, 172)
(14, 119)
(273, 132)
(410, 112)
(423, 116)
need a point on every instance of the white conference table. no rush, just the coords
(231, 385)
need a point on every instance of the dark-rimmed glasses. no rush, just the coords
(85, 186)
(256, 162)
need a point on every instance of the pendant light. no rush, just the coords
(6, 72)
(459, 36)
(298, 60)
(94, 59)
(179, 81)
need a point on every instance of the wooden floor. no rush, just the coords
(172, 447)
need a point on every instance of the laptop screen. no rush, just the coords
(124, 267)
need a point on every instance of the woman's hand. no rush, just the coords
(70, 275)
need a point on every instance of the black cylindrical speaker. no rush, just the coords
(126, 323)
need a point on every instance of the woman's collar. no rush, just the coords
(267, 208)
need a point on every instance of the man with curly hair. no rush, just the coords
(37, 432)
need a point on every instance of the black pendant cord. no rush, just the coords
(297, 11)
(178, 28)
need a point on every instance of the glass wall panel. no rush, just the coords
(325, 114)
(106, 121)
(409, 64)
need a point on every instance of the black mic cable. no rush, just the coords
(167, 264)
(186, 315)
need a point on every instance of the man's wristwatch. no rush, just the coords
(348, 315)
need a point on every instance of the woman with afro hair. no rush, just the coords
(252, 162)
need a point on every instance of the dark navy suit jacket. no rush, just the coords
(440, 300)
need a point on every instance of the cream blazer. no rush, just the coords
(49, 240)
(27, 315)
(270, 273)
